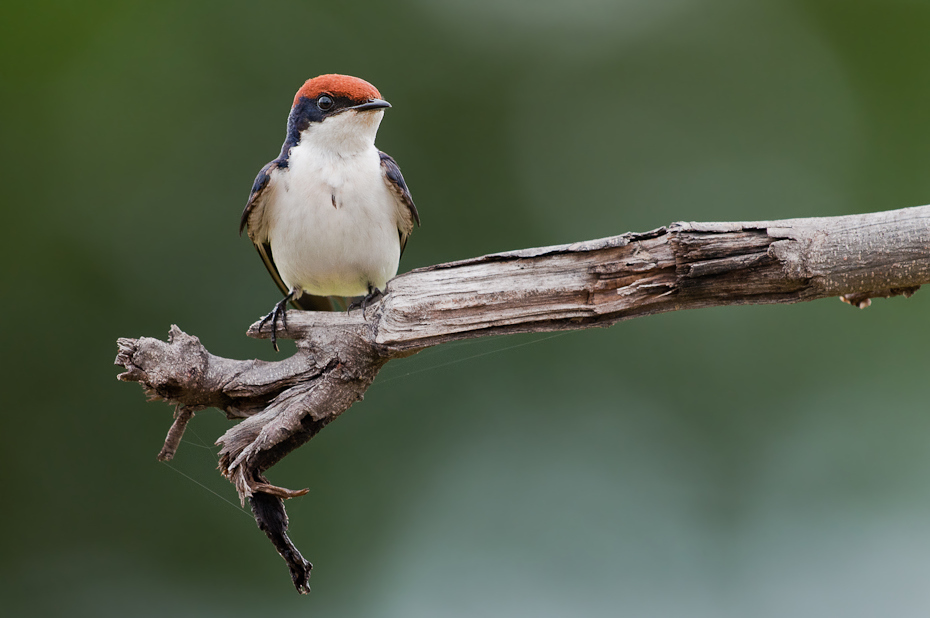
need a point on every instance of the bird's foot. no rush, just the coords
(279, 311)
(374, 294)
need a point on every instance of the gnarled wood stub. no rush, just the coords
(594, 283)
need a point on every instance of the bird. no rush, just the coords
(331, 215)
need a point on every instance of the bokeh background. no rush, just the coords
(745, 461)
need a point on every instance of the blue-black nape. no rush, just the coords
(305, 112)
(302, 114)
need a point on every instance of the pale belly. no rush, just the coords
(334, 250)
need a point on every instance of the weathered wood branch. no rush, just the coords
(587, 284)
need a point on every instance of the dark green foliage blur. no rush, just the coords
(745, 461)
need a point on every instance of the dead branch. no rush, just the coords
(582, 285)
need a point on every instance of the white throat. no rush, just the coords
(343, 135)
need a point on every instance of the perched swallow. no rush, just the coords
(331, 215)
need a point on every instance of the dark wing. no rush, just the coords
(395, 182)
(251, 219)
(257, 196)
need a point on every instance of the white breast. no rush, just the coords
(332, 222)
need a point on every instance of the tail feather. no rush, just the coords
(308, 302)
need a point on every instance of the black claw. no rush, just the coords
(279, 311)
(374, 294)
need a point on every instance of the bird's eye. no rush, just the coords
(324, 102)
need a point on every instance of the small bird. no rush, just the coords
(331, 215)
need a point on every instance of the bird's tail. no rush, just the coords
(308, 302)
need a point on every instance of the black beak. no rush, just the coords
(373, 104)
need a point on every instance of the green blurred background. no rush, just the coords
(745, 461)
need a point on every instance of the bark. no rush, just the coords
(593, 283)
